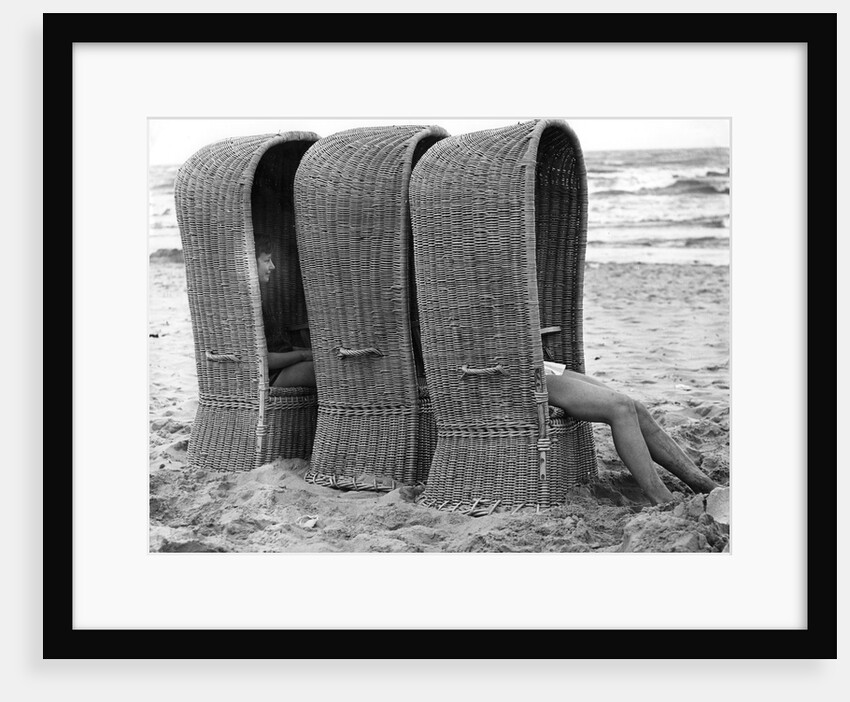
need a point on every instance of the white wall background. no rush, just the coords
(27, 677)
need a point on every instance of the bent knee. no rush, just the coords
(623, 406)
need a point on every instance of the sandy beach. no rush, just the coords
(656, 331)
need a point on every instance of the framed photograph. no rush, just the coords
(696, 274)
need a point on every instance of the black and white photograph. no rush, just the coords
(440, 335)
(408, 334)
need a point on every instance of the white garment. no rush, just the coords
(552, 368)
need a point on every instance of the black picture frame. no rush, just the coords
(818, 31)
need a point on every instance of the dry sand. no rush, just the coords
(658, 332)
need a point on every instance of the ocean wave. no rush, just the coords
(161, 178)
(695, 185)
(609, 172)
(697, 242)
(684, 186)
(170, 255)
(704, 222)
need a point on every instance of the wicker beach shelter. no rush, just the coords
(226, 195)
(375, 425)
(499, 222)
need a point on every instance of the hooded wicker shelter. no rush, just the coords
(499, 222)
(226, 195)
(375, 425)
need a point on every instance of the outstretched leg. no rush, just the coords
(667, 453)
(663, 449)
(596, 403)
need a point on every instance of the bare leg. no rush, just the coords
(667, 453)
(297, 375)
(595, 403)
(663, 449)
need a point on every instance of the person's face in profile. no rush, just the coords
(265, 266)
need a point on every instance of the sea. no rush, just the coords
(649, 206)
(666, 206)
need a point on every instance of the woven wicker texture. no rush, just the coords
(375, 425)
(500, 222)
(227, 194)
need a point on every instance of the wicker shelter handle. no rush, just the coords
(493, 370)
(549, 330)
(357, 353)
(224, 357)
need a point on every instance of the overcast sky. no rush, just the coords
(172, 141)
